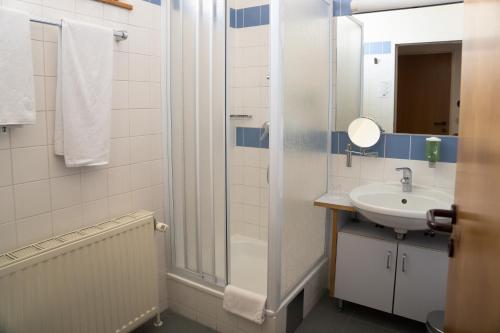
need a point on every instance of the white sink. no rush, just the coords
(386, 204)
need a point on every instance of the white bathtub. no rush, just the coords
(249, 264)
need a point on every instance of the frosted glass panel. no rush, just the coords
(305, 116)
(197, 90)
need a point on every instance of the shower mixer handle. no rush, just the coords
(265, 127)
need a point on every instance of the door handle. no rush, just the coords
(403, 266)
(388, 263)
(439, 226)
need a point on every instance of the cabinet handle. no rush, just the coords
(389, 256)
(403, 266)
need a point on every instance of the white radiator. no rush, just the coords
(97, 279)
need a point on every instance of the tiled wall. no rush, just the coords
(394, 150)
(39, 196)
(249, 94)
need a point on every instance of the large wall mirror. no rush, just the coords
(400, 68)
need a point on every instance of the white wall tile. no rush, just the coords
(118, 180)
(120, 152)
(50, 93)
(141, 148)
(38, 55)
(30, 164)
(30, 135)
(6, 204)
(139, 67)
(94, 185)
(141, 122)
(34, 228)
(140, 175)
(32, 198)
(142, 199)
(120, 204)
(372, 169)
(91, 8)
(39, 82)
(57, 167)
(120, 94)
(8, 237)
(120, 126)
(50, 58)
(139, 95)
(67, 219)
(95, 211)
(4, 140)
(65, 191)
(5, 168)
(121, 66)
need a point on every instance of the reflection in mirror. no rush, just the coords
(410, 72)
(364, 132)
(349, 70)
(428, 88)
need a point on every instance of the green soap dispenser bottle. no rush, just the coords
(432, 150)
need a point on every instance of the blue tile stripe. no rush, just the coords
(156, 2)
(401, 146)
(341, 7)
(382, 47)
(250, 137)
(249, 17)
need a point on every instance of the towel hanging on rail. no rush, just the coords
(17, 92)
(83, 95)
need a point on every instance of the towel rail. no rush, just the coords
(119, 34)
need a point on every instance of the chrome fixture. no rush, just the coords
(240, 116)
(349, 152)
(407, 178)
(265, 127)
(119, 34)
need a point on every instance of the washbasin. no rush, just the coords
(386, 204)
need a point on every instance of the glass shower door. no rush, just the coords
(197, 137)
(248, 143)
(299, 143)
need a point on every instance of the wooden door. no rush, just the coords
(423, 93)
(420, 281)
(473, 295)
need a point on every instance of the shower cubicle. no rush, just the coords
(248, 90)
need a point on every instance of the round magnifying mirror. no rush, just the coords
(364, 132)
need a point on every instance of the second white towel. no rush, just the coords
(84, 94)
(244, 303)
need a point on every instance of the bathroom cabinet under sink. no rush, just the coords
(406, 277)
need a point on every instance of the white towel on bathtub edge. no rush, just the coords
(84, 94)
(244, 303)
(17, 92)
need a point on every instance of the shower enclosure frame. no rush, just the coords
(275, 299)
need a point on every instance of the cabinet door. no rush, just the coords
(420, 282)
(365, 271)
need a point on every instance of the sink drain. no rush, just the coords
(404, 201)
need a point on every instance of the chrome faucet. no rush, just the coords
(407, 178)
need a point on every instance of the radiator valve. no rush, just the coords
(162, 227)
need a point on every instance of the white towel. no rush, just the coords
(244, 303)
(84, 94)
(17, 92)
